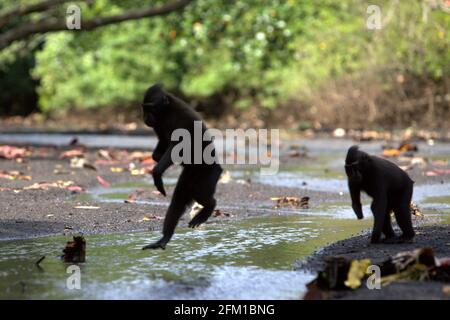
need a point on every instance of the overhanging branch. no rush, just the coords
(43, 26)
(23, 10)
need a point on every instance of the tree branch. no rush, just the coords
(22, 10)
(43, 26)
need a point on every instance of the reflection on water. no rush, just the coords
(246, 259)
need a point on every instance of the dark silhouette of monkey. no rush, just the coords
(390, 189)
(165, 113)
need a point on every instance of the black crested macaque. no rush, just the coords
(389, 187)
(197, 182)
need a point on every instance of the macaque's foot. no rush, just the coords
(375, 240)
(391, 240)
(160, 244)
(405, 239)
(198, 220)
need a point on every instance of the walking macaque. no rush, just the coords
(389, 187)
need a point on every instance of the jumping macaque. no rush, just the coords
(389, 187)
(165, 113)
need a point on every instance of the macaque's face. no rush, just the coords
(148, 114)
(353, 172)
(155, 101)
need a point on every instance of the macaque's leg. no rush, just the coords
(379, 215)
(180, 200)
(402, 212)
(388, 231)
(204, 195)
(390, 236)
(204, 213)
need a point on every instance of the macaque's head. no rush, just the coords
(356, 164)
(156, 100)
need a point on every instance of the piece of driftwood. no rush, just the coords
(75, 251)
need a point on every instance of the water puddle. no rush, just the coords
(245, 259)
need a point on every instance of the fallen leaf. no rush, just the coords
(389, 153)
(141, 171)
(219, 213)
(406, 146)
(74, 153)
(147, 161)
(139, 155)
(134, 196)
(356, 272)
(81, 163)
(10, 152)
(47, 185)
(415, 210)
(226, 177)
(151, 217)
(75, 188)
(105, 154)
(13, 175)
(292, 201)
(437, 172)
(103, 182)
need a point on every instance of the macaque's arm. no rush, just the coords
(159, 151)
(355, 194)
(163, 164)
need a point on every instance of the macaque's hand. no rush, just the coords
(358, 211)
(158, 182)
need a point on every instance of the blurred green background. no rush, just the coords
(301, 64)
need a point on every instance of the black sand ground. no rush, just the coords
(31, 213)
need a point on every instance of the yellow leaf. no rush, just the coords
(357, 271)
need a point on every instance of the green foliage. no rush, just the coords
(264, 52)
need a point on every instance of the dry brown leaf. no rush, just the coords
(415, 210)
(292, 202)
(13, 175)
